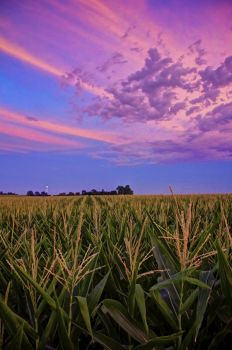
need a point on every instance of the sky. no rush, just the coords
(101, 93)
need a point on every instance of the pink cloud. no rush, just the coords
(34, 123)
(36, 136)
(20, 53)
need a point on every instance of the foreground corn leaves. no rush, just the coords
(116, 273)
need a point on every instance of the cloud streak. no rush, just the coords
(14, 50)
(26, 57)
(34, 123)
(36, 136)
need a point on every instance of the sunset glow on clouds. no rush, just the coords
(132, 83)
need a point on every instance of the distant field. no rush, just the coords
(120, 272)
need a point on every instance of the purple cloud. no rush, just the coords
(149, 93)
(115, 59)
(218, 77)
(182, 104)
(196, 48)
(77, 77)
(220, 119)
(127, 32)
(211, 81)
(31, 119)
(192, 110)
(162, 151)
(136, 49)
(177, 107)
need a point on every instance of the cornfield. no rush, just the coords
(120, 272)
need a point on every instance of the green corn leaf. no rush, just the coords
(95, 295)
(118, 263)
(9, 318)
(203, 238)
(64, 338)
(107, 323)
(51, 326)
(140, 300)
(19, 341)
(85, 313)
(131, 297)
(12, 320)
(176, 278)
(163, 248)
(196, 282)
(43, 303)
(87, 281)
(166, 261)
(187, 340)
(203, 297)
(120, 315)
(107, 342)
(49, 331)
(225, 274)
(189, 302)
(165, 309)
(43, 293)
(159, 341)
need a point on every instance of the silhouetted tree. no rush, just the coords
(44, 194)
(124, 190)
(8, 194)
(120, 189)
(128, 190)
(30, 193)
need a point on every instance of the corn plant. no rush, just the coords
(120, 272)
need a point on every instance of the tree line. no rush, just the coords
(7, 193)
(120, 190)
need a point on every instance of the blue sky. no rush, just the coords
(67, 172)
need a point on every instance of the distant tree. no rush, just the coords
(124, 190)
(83, 192)
(62, 194)
(128, 190)
(120, 189)
(37, 193)
(112, 192)
(43, 193)
(30, 193)
(70, 194)
(77, 194)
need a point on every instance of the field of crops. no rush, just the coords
(120, 272)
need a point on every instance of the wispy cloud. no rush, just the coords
(36, 136)
(21, 54)
(57, 128)
(116, 59)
